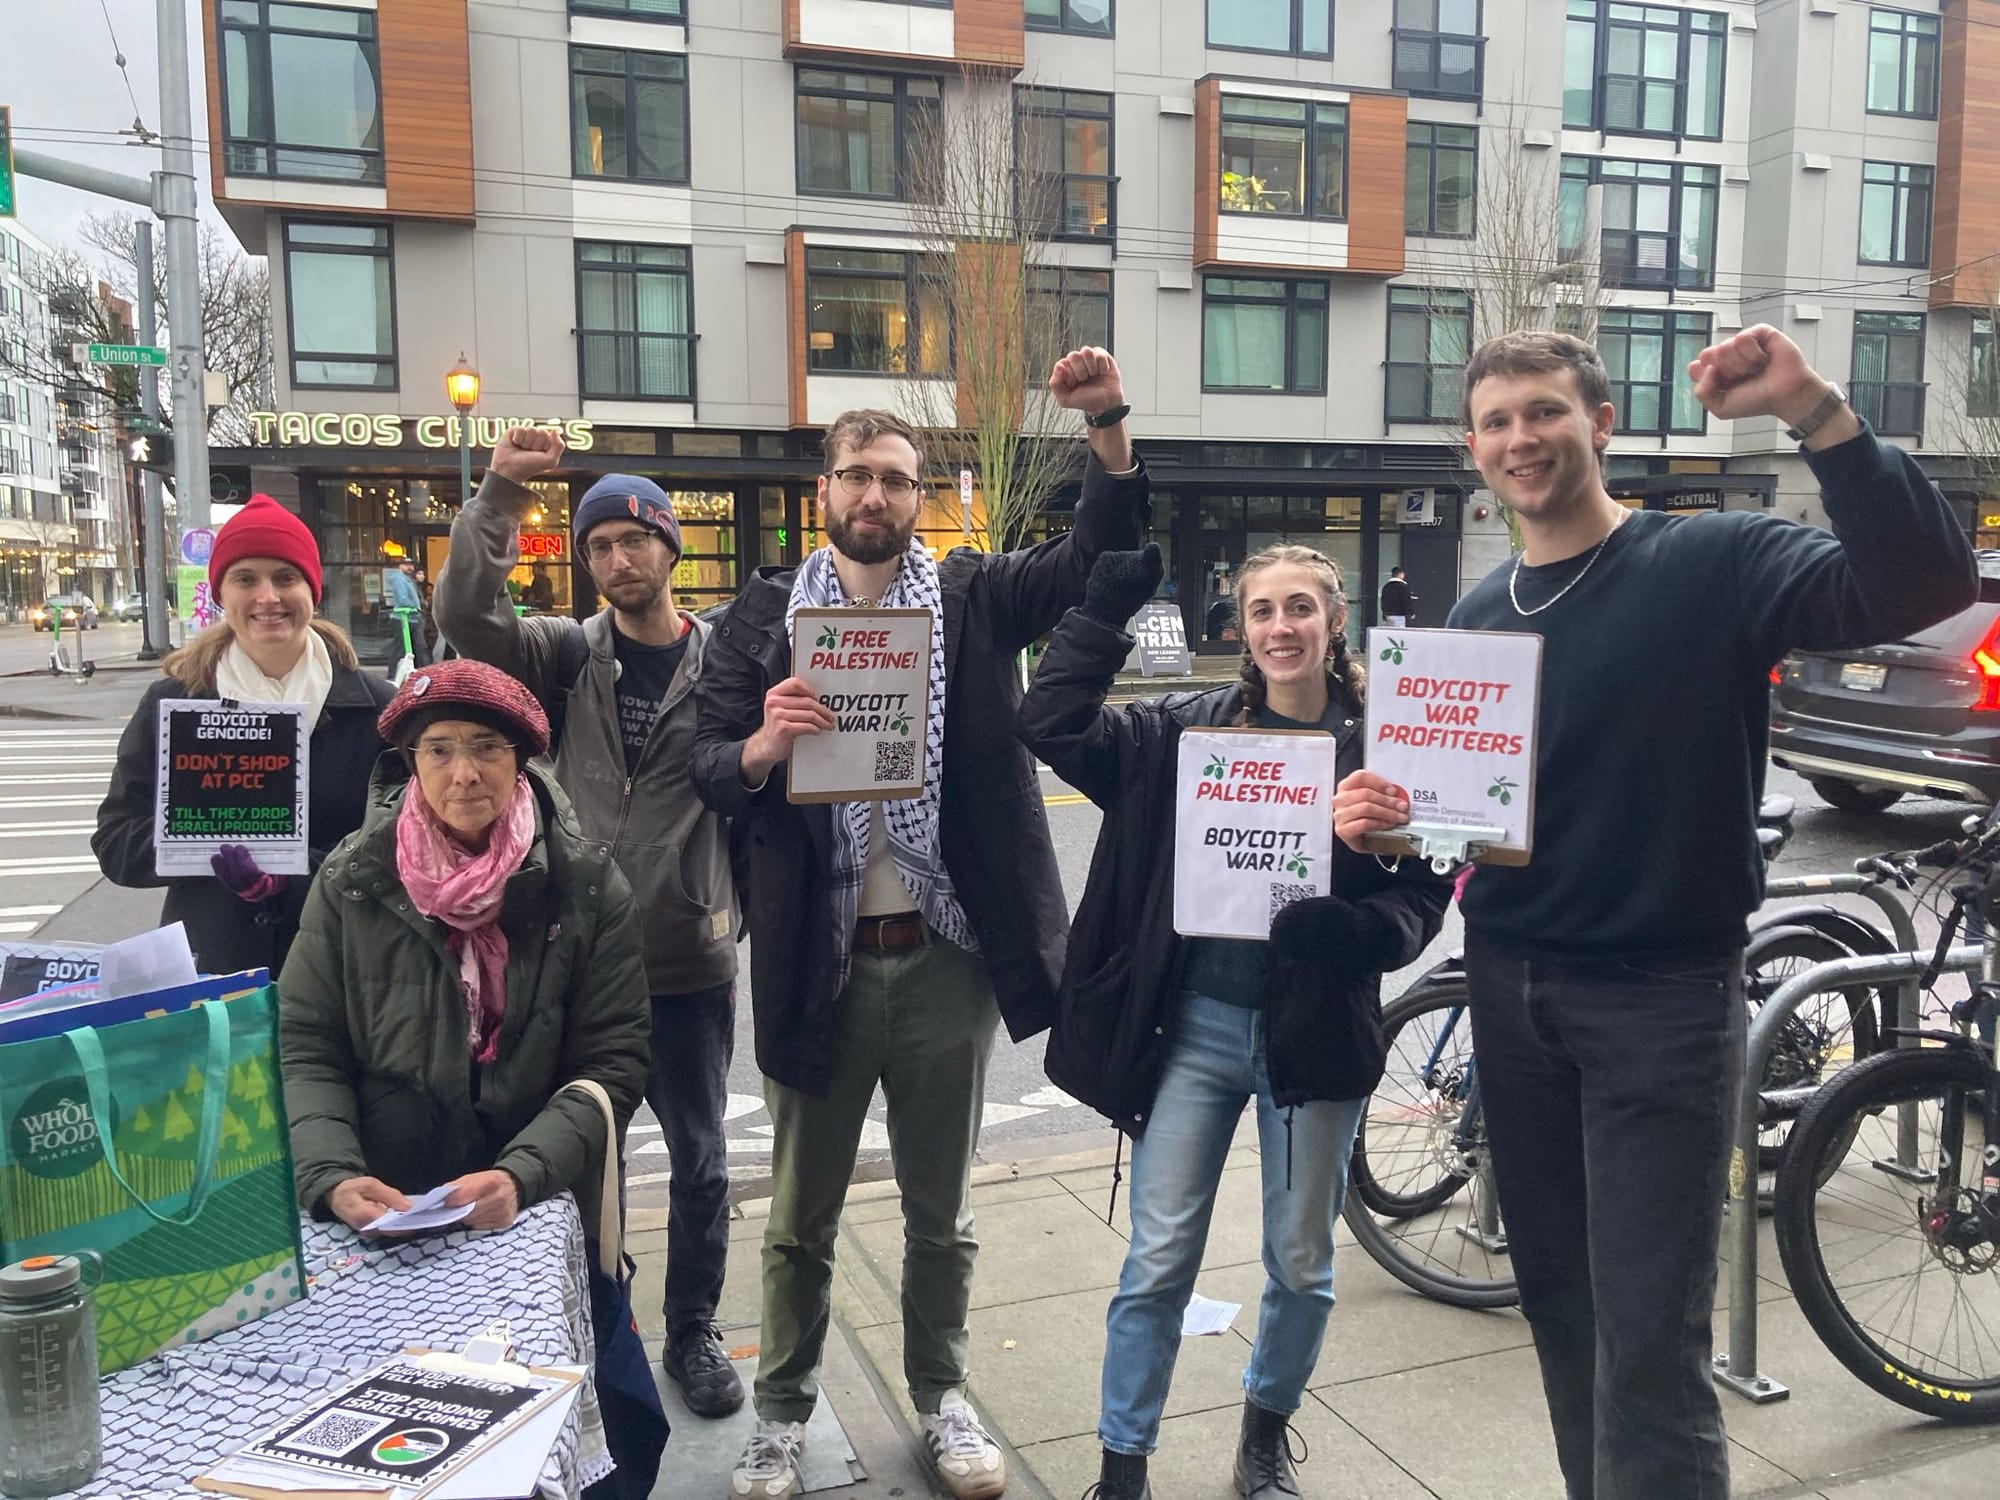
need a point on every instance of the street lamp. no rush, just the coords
(461, 388)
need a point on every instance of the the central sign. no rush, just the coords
(871, 667)
(1253, 828)
(327, 429)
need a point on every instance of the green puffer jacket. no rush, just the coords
(378, 1079)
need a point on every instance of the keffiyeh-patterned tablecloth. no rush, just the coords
(185, 1410)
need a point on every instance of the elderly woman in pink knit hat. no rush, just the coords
(268, 647)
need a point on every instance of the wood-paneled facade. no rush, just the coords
(1965, 212)
(795, 322)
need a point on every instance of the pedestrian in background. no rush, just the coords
(268, 647)
(882, 934)
(1170, 1037)
(1398, 603)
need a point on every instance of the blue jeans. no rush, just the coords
(1215, 1067)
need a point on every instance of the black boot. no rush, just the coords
(1264, 1457)
(1122, 1477)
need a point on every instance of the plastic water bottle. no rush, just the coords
(50, 1440)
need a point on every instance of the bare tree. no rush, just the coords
(990, 271)
(235, 316)
(1962, 406)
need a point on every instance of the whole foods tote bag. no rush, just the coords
(160, 1144)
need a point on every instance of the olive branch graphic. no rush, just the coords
(1394, 650)
(1296, 865)
(900, 724)
(1214, 767)
(1504, 790)
(828, 638)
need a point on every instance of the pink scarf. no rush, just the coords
(462, 889)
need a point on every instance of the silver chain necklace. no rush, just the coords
(1515, 577)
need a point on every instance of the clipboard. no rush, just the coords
(486, 1357)
(871, 667)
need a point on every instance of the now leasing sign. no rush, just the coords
(1253, 828)
(1451, 720)
(872, 669)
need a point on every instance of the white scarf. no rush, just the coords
(308, 682)
(912, 824)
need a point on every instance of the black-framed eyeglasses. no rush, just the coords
(856, 483)
(633, 544)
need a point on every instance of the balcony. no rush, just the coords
(920, 34)
(1894, 408)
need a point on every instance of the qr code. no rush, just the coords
(1283, 894)
(895, 761)
(335, 1433)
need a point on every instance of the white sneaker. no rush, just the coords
(967, 1460)
(769, 1467)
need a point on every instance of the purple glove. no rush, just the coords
(236, 868)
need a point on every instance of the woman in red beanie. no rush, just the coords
(264, 575)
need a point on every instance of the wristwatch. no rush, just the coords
(1820, 415)
(1111, 416)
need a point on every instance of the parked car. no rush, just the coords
(79, 612)
(130, 607)
(1915, 717)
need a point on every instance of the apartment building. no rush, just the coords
(37, 538)
(680, 229)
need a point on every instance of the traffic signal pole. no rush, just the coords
(149, 402)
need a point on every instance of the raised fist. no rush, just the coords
(525, 453)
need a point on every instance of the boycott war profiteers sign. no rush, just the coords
(1451, 720)
(1253, 828)
(872, 669)
(231, 773)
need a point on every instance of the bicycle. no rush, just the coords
(1888, 1226)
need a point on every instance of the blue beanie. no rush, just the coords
(632, 497)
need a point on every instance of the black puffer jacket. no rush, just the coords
(226, 932)
(1122, 973)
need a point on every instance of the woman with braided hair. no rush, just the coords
(1170, 1037)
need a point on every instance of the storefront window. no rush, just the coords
(706, 574)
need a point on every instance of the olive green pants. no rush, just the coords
(921, 1024)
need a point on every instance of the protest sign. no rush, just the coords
(1451, 720)
(230, 773)
(872, 668)
(30, 968)
(1160, 646)
(1253, 828)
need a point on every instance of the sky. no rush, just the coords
(58, 71)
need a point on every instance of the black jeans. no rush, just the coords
(688, 1087)
(1610, 1095)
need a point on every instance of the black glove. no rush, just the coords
(1332, 934)
(1120, 582)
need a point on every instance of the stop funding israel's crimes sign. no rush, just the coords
(1253, 828)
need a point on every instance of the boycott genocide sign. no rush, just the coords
(1451, 720)
(230, 773)
(1253, 827)
(872, 668)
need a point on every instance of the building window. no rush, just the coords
(1440, 180)
(1659, 220)
(1895, 214)
(1303, 28)
(1902, 64)
(1982, 382)
(1263, 335)
(1065, 151)
(635, 322)
(629, 114)
(632, 10)
(1646, 354)
(1088, 17)
(1066, 307)
(857, 131)
(1438, 48)
(301, 94)
(1284, 156)
(1887, 388)
(875, 311)
(1644, 69)
(1430, 339)
(341, 305)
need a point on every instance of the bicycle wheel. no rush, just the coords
(1894, 1267)
(1821, 1038)
(1420, 1189)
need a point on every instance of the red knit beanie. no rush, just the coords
(264, 528)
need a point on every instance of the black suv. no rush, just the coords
(1918, 716)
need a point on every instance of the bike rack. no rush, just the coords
(1736, 1369)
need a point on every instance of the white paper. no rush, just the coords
(871, 667)
(1204, 1315)
(156, 960)
(1253, 828)
(512, 1467)
(425, 1212)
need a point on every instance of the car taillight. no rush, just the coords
(1777, 674)
(1986, 662)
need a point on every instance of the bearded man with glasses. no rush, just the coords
(888, 939)
(619, 692)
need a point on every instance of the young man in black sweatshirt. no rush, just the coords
(1606, 974)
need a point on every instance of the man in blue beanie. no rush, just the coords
(620, 692)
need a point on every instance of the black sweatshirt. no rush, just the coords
(1655, 699)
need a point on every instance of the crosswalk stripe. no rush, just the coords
(29, 911)
(23, 804)
(43, 830)
(53, 759)
(61, 864)
(17, 929)
(94, 780)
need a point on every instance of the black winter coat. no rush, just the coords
(1121, 977)
(992, 827)
(227, 932)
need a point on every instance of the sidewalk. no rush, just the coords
(1411, 1398)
